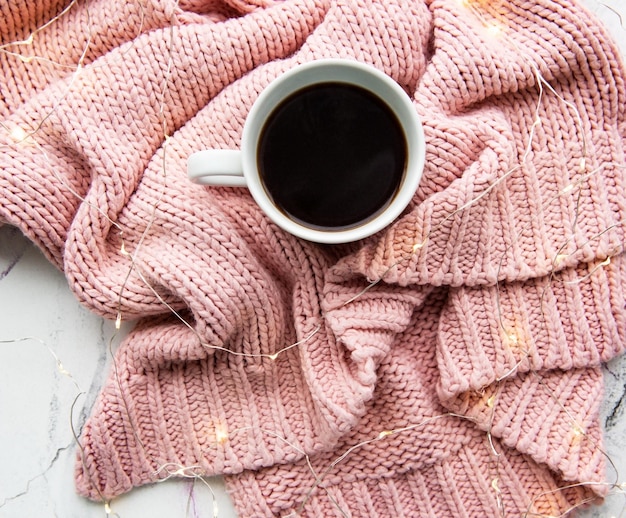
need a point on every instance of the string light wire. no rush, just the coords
(24, 136)
(31, 37)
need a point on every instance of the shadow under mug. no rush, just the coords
(240, 168)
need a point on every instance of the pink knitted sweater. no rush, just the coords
(447, 366)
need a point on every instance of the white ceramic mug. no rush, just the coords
(238, 168)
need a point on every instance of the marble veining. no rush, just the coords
(14, 253)
(54, 357)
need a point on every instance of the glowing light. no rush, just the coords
(221, 435)
(559, 258)
(18, 134)
(418, 246)
(62, 369)
(512, 338)
(220, 431)
(494, 29)
(606, 262)
(27, 41)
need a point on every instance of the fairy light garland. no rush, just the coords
(31, 37)
(513, 337)
(18, 134)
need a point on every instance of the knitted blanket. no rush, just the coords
(447, 366)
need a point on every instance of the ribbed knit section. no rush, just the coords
(447, 366)
(470, 484)
(105, 152)
(571, 319)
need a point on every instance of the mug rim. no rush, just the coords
(342, 71)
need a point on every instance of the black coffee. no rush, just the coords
(332, 156)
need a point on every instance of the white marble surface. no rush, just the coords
(55, 354)
(54, 357)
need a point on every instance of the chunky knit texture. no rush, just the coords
(454, 358)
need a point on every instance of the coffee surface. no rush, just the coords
(332, 156)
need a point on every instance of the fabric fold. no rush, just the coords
(447, 366)
(412, 456)
(569, 320)
(242, 297)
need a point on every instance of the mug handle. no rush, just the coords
(216, 167)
